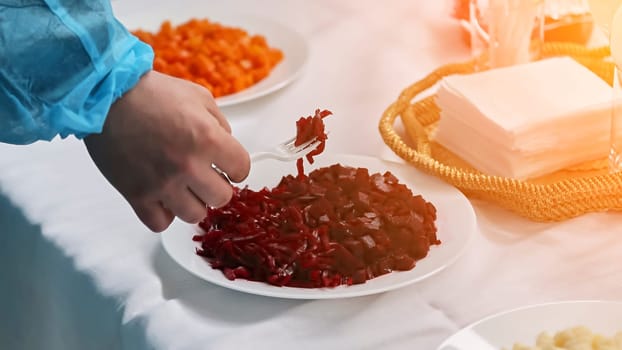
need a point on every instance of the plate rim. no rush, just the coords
(277, 292)
(524, 308)
(243, 96)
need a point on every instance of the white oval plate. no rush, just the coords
(455, 222)
(523, 325)
(293, 44)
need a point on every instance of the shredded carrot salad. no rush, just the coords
(223, 59)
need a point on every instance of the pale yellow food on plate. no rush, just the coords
(576, 338)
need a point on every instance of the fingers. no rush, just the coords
(229, 156)
(153, 215)
(210, 105)
(227, 153)
(209, 186)
(182, 202)
(215, 111)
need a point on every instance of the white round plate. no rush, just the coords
(523, 325)
(293, 44)
(455, 223)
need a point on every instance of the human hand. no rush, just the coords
(157, 148)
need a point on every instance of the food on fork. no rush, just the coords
(223, 59)
(338, 225)
(576, 338)
(307, 129)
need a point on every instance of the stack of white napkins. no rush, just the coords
(526, 120)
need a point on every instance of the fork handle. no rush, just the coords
(270, 155)
(261, 156)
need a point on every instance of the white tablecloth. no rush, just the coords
(78, 271)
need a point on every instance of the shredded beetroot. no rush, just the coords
(308, 128)
(339, 225)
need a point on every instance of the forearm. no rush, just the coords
(62, 65)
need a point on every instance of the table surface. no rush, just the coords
(78, 271)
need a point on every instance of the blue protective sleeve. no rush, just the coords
(62, 64)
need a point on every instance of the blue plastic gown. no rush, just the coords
(62, 64)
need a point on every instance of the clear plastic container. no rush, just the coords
(568, 21)
(505, 32)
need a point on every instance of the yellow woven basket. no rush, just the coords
(584, 188)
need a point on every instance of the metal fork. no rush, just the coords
(286, 151)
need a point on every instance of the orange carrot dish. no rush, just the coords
(223, 59)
